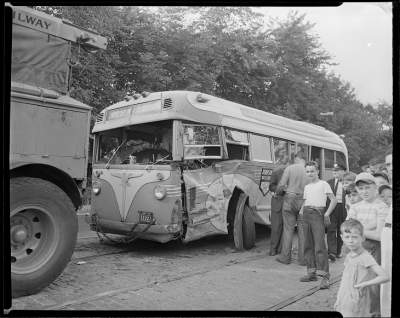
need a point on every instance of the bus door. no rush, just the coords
(205, 202)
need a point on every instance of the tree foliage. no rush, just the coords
(228, 52)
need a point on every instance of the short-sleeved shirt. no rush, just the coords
(315, 194)
(352, 302)
(368, 213)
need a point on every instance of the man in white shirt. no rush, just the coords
(315, 217)
(338, 215)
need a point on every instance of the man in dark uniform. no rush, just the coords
(338, 215)
(276, 210)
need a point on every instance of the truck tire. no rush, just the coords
(243, 226)
(43, 233)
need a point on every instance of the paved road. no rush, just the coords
(204, 275)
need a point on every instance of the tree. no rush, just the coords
(230, 53)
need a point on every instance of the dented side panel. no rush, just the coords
(206, 203)
(209, 190)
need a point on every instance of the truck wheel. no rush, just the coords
(43, 233)
(243, 226)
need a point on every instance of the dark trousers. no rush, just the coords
(315, 251)
(276, 223)
(374, 248)
(290, 214)
(333, 238)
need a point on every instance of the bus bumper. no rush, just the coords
(125, 228)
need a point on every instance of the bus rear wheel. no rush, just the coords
(43, 233)
(244, 232)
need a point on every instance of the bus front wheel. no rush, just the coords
(43, 233)
(244, 233)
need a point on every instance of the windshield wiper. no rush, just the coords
(115, 152)
(155, 162)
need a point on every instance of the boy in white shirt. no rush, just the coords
(314, 219)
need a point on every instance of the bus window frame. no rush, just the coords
(220, 145)
(272, 153)
(273, 150)
(333, 164)
(336, 162)
(308, 150)
(226, 142)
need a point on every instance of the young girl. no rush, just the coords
(354, 297)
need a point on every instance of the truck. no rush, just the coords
(49, 144)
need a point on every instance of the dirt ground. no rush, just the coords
(208, 274)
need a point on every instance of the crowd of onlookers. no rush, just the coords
(347, 216)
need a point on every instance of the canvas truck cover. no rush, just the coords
(39, 59)
(41, 48)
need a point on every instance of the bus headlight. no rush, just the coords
(160, 192)
(96, 190)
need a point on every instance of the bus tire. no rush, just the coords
(243, 225)
(248, 228)
(43, 234)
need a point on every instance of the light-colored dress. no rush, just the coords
(353, 302)
(386, 259)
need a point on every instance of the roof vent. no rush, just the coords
(167, 103)
(145, 94)
(99, 117)
(201, 98)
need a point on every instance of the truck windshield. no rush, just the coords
(141, 144)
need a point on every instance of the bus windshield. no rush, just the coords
(138, 144)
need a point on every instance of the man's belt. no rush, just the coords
(389, 225)
(314, 207)
(294, 193)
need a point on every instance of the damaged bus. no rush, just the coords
(185, 165)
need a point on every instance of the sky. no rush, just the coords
(358, 36)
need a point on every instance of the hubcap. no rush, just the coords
(19, 234)
(33, 238)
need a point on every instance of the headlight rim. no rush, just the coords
(160, 192)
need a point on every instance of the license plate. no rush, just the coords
(145, 217)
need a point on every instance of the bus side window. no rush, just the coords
(281, 151)
(292, 150)
(316, 156)
(237, 144)
(260, 147)
(329, 159)
(341, 158)
(304, 150)
(237, 152)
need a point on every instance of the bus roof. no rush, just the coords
(203, 108)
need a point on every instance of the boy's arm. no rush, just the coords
(352, 214)
(332, 205)
(381, 277)
(375, 233)
(302, 207)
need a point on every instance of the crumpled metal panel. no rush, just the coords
(207, 206)
(209, 190)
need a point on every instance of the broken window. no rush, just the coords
(138, 144)
(237, 144)
(201, 142)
